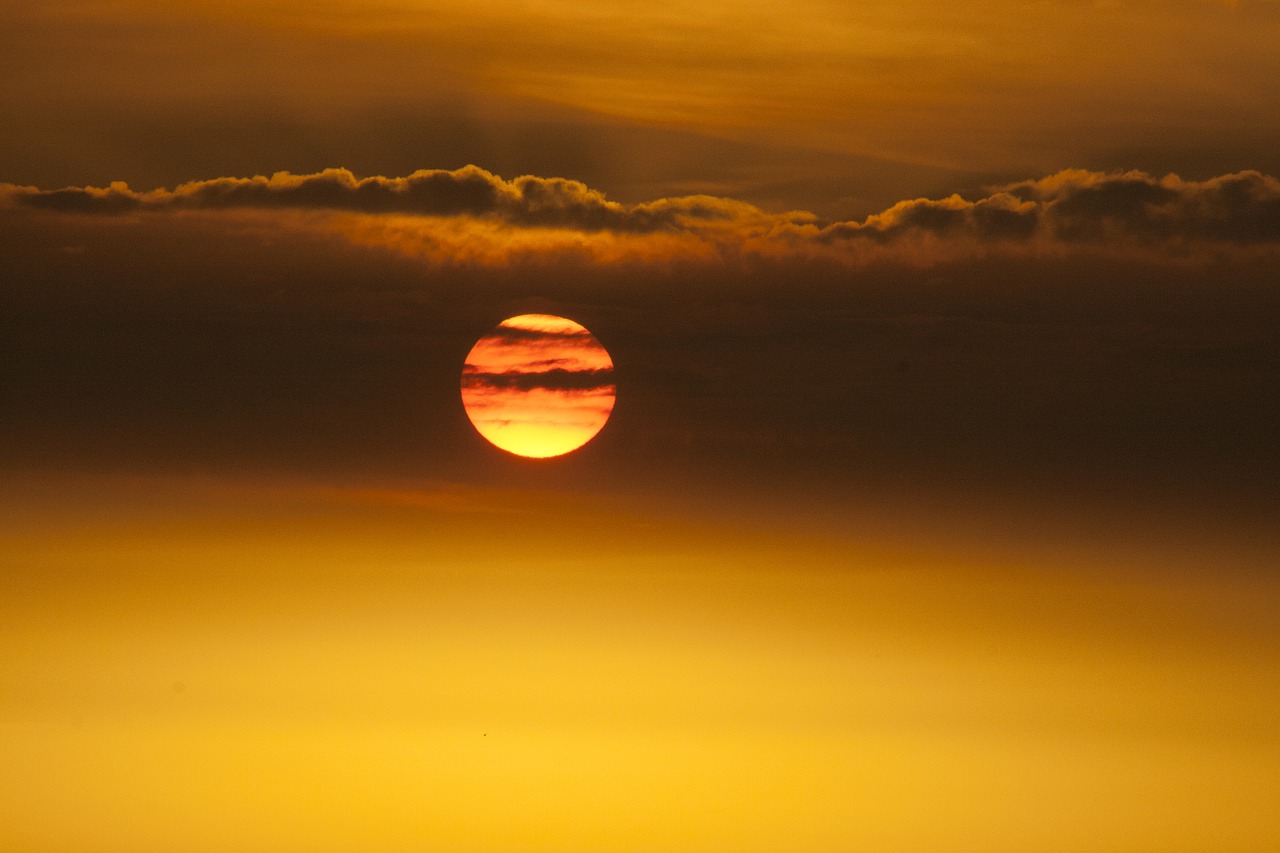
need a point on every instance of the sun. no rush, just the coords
(538, 385)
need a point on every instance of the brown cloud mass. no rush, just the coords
(1071, 206)
(526, 201)
(292, 322)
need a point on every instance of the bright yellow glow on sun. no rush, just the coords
(538, 386)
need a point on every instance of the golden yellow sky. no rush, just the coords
(936, 506)
(226, 665)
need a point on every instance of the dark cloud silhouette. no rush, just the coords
(551, 362)
(1000, 216)
(470, 191)
(514, 336)
(1242, 207)
(556, 379)
(1071, 206)
(117, 199)
(1076, 205)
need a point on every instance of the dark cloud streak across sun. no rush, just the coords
(556, 379)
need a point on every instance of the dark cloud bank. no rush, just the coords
(1072, 206)
(221, 342)
(526, 201)
(1090, 206)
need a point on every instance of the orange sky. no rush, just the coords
(937, 512)
(821, 105)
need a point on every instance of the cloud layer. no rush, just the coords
(527, 201)
(1076, 205)
(274, 334)
(1072, 206)
(556, 379)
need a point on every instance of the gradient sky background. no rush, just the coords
(936, 511)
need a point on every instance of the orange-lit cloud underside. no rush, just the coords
(461, 212)
(538, 385)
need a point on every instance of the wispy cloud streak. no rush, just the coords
(556, 379)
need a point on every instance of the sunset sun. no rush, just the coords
(538, 386)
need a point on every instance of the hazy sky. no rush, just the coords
(839, 107)
(936, 506)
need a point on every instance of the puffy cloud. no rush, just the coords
(1076, 205)
(1071, 206)
(1001, 216)
(470, 191)
(1242, 207)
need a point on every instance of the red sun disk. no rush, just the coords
(538, 385)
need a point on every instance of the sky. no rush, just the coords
(934, 510)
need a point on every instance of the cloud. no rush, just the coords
(1243, 207)
(471, 191)
(518, 336)
(272, 338)
(1080, 206)
(999, 216)
(1072, 206)
(556, 379)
